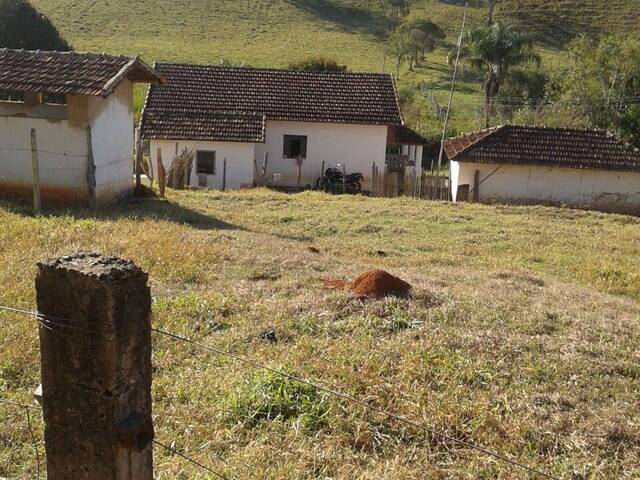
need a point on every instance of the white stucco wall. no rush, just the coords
(63, 171)
(62, 142)
(240, 171)
(112, 130)
(358, 146)
(599, 189)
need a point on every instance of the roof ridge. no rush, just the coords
(213, 66)
(64, 53)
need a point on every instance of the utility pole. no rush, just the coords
(453, 84)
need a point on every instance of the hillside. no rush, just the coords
(521, 335)
(277, 32)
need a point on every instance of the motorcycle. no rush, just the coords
(331, 182)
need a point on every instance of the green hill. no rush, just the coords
(277, 32)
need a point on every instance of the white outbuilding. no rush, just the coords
(273, 127)
(515, 164)
(74, 113)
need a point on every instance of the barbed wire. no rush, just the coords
(195, 462)
(27, 412)
(355, 400)
(51, 321)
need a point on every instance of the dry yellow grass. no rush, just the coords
(522, 334)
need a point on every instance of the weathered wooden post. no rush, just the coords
(35, 169)
(91, 171)
(224, 174)
(138, 160)
(476, 185)
(162, 174)
(95, 343)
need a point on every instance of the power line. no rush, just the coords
(352, 399)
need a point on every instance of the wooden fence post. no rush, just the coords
(344, 178)
(91, 170)
(95, 343)
(476, 185)
(224, 174)
(138, 165)
(299, 165)
(162, 174)
(35, 171)
(265, 163)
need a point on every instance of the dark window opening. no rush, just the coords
(11, 96)
(295, 146)
(206, 163)
(54, 98)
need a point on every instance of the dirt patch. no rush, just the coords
(373, 284)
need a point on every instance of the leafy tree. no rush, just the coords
(396, 10)
(399, 47)
(318, 64)
(423, 36)
(22, 26)
(600, 79)
(495, 51)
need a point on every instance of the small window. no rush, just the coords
(11, 96)
(295, 146)
(206, 162)
(54, 98)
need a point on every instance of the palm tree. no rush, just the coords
(495, 50)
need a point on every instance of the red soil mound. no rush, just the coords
(378, 284)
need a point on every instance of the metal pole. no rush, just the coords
(453, 84)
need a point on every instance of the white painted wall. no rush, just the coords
(63, 147)
(358, 146)
(599, 189)
(63, 172)
(112, 129)
(239, 160)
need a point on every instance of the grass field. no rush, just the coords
(521, 335)
(279, 32)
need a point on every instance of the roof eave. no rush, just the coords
(150, 76)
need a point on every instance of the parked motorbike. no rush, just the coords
(331, 182)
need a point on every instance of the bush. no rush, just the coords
(22, 26)
(269, 397)
(318, 64)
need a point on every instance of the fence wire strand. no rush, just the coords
(316, 385)
(355, 400)
(191, 460)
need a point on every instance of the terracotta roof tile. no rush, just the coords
(354, 98)
(559, 147)
(70, 72)
(212, 126)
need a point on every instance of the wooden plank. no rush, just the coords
(476, 185)
(161, 173)
(224, 174)
(91, 170)
(35, 169)
(138, 159)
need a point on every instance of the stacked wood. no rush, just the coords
(179, 172)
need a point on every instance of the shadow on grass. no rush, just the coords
(134, 209)
(345, 18)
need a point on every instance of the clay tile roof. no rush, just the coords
(354, 98)
(69, 72)
(213, 126)
(557, 147)
(402, 135)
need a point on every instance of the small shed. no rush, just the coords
(79, 107)
(518, 164)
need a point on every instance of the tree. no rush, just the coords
(495, 50)
(600, 79)
(423, 37)
(319, 64)
(399, 47)
(22, 26)
(396, 10)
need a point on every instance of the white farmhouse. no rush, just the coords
(293, 119)
(582, 168)
(80, 108)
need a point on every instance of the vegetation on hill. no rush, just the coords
(22, 26)
(352, 32)
(521, 335)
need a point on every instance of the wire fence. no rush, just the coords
(53, 322)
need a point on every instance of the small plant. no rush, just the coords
(269, 397)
